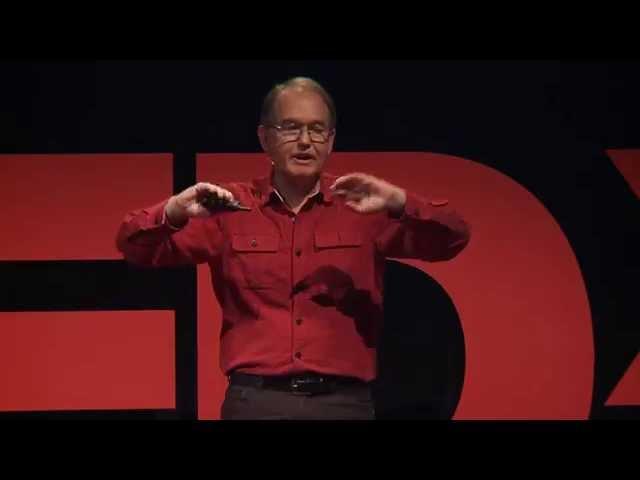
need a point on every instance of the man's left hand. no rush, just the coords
(368, 194)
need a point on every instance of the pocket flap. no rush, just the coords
(337, 239)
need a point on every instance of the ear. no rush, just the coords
(331, 140)
(262, 136)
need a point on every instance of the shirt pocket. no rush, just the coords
(253, 260)
(342, 251)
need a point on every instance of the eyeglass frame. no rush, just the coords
(279, 128)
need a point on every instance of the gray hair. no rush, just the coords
(303, 83)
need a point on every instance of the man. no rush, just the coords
(297, 261)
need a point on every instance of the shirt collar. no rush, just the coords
(264, 190)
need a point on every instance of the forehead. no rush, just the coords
(301, 105)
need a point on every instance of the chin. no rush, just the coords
(303, 171)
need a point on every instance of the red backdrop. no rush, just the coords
(627, 392)
(517, 288)
(68, 207)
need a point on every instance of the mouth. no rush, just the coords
(303, 158)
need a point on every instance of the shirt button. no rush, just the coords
(254, 242)
(298, 354)
(298, 321)
(298, 252)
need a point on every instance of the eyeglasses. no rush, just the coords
(290, 132)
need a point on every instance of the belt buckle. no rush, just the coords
(308, 386)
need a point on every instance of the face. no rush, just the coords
(301, 158)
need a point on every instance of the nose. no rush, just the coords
(304, 138)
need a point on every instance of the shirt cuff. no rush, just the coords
(418, 207)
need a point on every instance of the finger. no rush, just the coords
(204, 187)
(357, 206)
(340, 192)
(213, 193)
(226, 195)
(204, 190)
(358, 189)
(346, 182)
(188, 195)
(355, 196)
(349, 181)
(351, 194)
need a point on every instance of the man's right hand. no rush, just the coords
(188, 204)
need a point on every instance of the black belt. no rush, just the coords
(303, 384)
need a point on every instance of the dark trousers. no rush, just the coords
(255, 402)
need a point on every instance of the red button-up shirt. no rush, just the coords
(298, 292)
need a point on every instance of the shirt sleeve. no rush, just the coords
(427, 230)
(146, 238)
